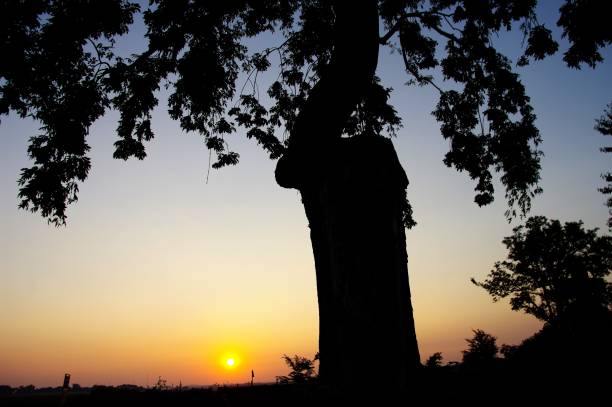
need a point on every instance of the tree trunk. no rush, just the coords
(366, 327)
(353, 191)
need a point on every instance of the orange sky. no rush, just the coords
(145, 283)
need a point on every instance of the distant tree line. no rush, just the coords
(558, 273)
(604, 126)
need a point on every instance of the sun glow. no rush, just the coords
(230, 361)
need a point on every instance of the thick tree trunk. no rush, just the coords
(367, 334)
(334, 97)
(353, 191)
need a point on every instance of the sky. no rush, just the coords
(160, 273)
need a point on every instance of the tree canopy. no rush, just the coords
(60, 67)
(554, 271)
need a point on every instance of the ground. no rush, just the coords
(441, 386)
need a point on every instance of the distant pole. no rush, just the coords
(252, 376)
(66, 384)
(65, 388)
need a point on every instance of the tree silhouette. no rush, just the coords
(554, 271)
(302, 369)
(482, 349)
(435, 360)
(59, 67)
(557, 273)
(604, 126)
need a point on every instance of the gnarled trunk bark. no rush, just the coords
(353, 191)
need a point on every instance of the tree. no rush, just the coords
(59, 67)
(302, 369)
(482, 349)
(554, 271)
(604, 126)
(435, 360)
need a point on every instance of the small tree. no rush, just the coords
(162, 384)
(302, 369)
(604, 126)
(554, 271)
(434, 360)
(482, 348)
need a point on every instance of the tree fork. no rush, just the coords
(333, 98)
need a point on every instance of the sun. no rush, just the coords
(230, 361)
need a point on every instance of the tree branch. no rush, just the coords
(396, 27)
(444, 33)
(333, 98)
(416, 74)
(398, 24)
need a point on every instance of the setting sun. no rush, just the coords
(230, 361)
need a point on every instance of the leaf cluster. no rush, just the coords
(52, 66)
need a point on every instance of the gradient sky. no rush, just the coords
(159, 273)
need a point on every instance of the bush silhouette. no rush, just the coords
(482, 349)
(434, 360)
(302, 369)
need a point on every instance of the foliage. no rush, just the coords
(302, 369)
(60, 67)
(604, 126)
(482, 349)
(162, 384)
(434, 360)
(508, 350)
(553, 270)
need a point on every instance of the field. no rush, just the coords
(443, 386)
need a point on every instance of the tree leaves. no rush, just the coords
(539, 44)
(508, 141)
(50, 71)
(586, 24)
(59, 67)
(553, 270)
